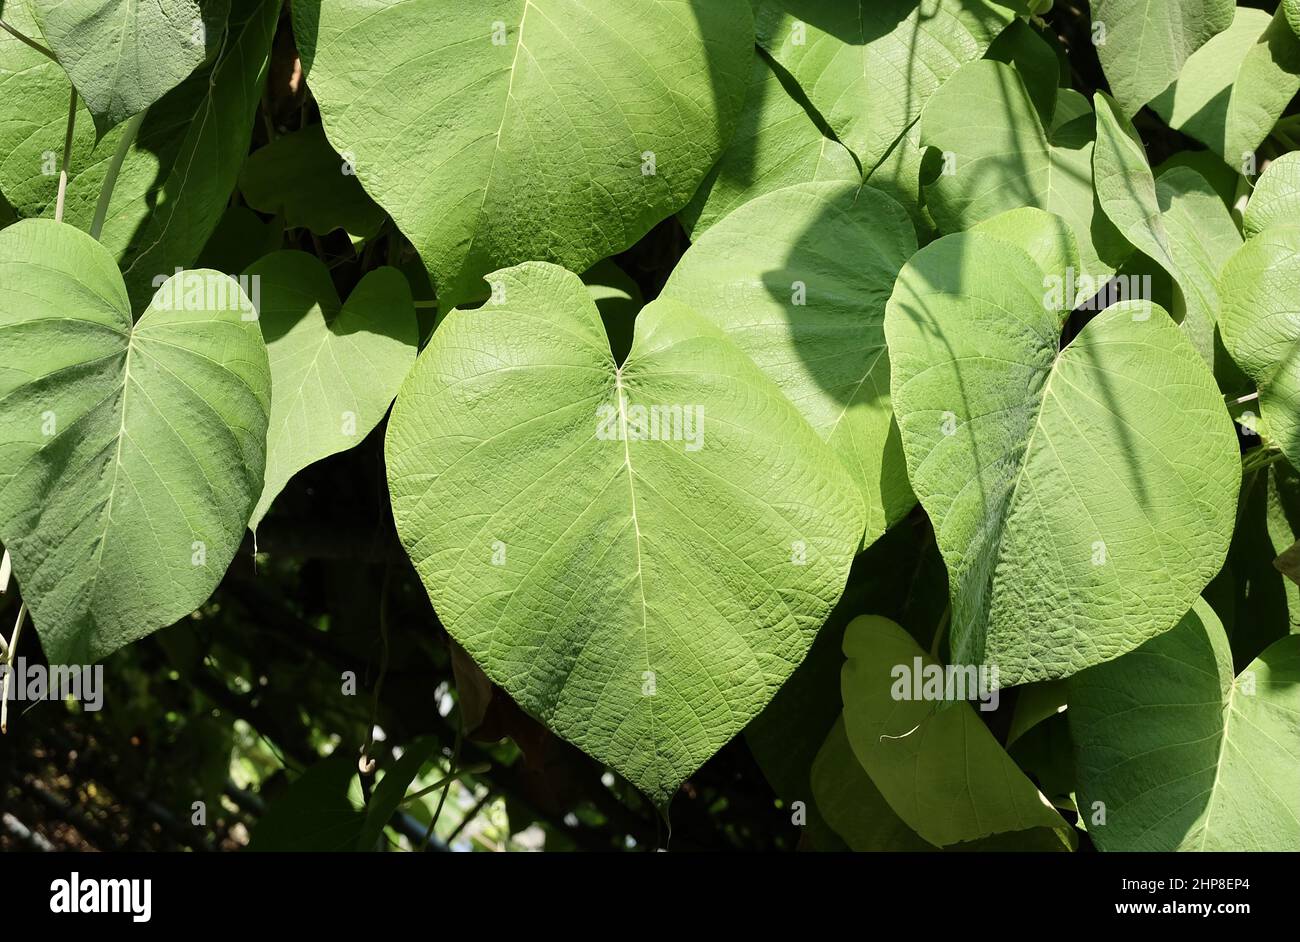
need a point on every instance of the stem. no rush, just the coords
(940, 631)
(6, 567)
(110, 179)
(1246, 398)
(9, 669)
(451, 777)
(67, 156)
(31, 42)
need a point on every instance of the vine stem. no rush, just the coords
(31, 42)
(9, 669)
(67, 156)
(114, 167)
(6, 568)
(1247, 398)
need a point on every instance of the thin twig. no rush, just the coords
(31, 42)
(6, 568)
(1246, 398)
(114, 167)
(67, 156)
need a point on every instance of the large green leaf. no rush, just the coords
(656, 578)
(177, 177)
(1276, 198)
(941, 770)
(1179, 221)
(335, 367)
(1234, 88)
(551, 130)
(777, 144)
(999, 157)
(1260, 285)
(300, 177)
(869, 66)
(799, 279)
(123, 55)
(130, 457)
(1291, 10)
(1182, 754)
(1082, 497)
(1146, 44)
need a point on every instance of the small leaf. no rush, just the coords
(941, 770)
(798, 279)
(335, 368)
(319, 811)
(1182, 755)
(1276, 198)
(1090, 489)
(130, 457)
(300, 177)
(641, 581)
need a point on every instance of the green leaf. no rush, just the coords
(869, 66)
(798, 279)
(176, 178)
(388, 794)
(1276, 198)
(911, 748)
(1227, 182)
(777, 144)
(1291, 10)
(552, 133)
(300, 177)
(1143, 46)
(1034, 704)
(320, 811)
(1020, 46)
(1185, 756)
(241, 238)
(1179, 221)
(335, 367)
(130, 457)
(123, 56)
(655, 583)
(1261, 291)
(1234, 88)
(618, 298)
(1089, 489)
(1000, 157)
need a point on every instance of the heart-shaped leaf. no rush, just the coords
(300, 177)
(1180, 754)
(907, 745)
(640, 555)
(1178, 220)
(777, 144)
(1143, 46)
(130, 457)
(1276, 198)
(1083, 497)
(1261, 328)
(1234, 88)
(799, 279)
(335, 368)
(998, 157)
(123, 55)
(869, 66)
(553, 132)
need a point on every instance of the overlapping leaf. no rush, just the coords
(642, 581)
(552, 130)
(1234, 88)
(777, 144)
(1260, 285)
(798, 279)
(998, 156)
(869, 66)
(1082, 497)
(130, 457)
(335, 367)
(1143, 46)
(123, 55)
(941, 770)
(1178, 220)
(1276, 198)
(1183, 755)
